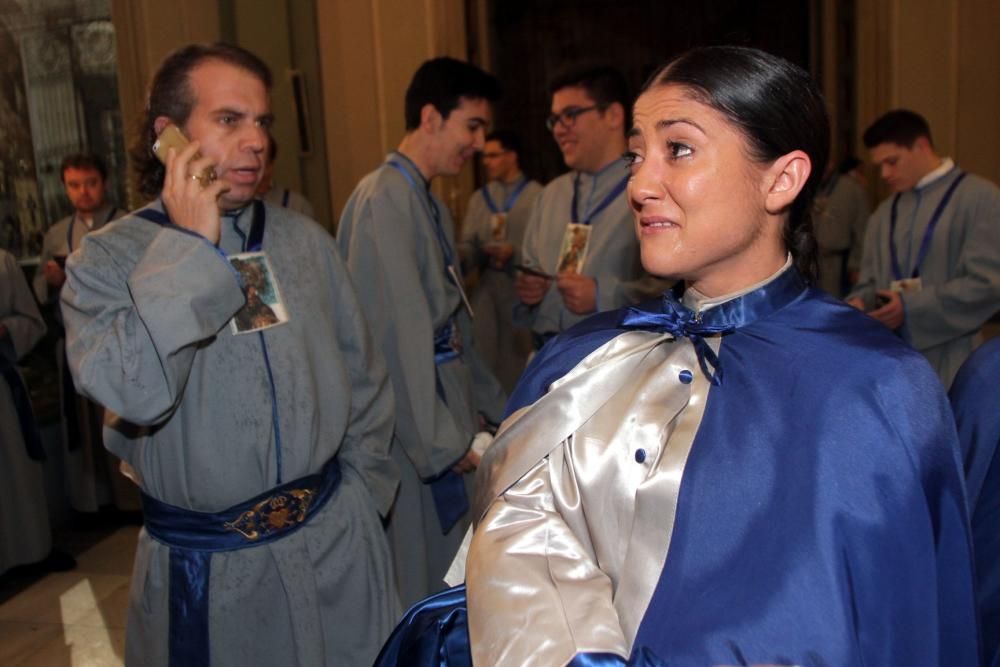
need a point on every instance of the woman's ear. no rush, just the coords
(785, 179)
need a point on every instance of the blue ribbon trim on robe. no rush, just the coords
(451, 500)
(194, 536)
(681, 322)
(509, 202)
(22, 401)
(925, 242)
(448, 489)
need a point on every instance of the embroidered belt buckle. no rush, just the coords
(274, 514)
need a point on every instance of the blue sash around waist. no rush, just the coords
(194, 536)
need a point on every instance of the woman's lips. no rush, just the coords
(649, 223)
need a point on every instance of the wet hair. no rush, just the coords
(900, 126)
(777, 107)
(506, 138)
(170, 95)
(443, 82)
(604, 84)
(86, 161)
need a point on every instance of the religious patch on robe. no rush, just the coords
(498, 227)
(263, 308)
(574, 248)
(906, 285)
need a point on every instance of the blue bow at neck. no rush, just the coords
(670, 316)
(681, 322)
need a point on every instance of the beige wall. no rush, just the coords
(940, 58)
(368, 53)
(146, 31)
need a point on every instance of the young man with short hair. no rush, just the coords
(492, 233)
(397, 239)
(582, 214)
(931, 264)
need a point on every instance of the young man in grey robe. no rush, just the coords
(25, 533)
(398, 240)
(492, 234)
(91, 473)
(931, 265)
(263, 455)
(588, 121)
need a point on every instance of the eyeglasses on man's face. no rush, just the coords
(567, 117)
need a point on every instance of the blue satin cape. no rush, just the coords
(821, 519)
(977, 412)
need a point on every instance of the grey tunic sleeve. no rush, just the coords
(384, 252)
(132, 334)
(960, 305)
(365, 445)
(18, 312)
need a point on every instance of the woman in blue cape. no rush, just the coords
(743, 471)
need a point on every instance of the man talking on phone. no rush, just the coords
(261, 451)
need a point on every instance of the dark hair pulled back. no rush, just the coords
(777, 107)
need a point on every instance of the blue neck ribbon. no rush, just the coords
(509, 202)
(674, 318)
(925, 242)
(593, 213)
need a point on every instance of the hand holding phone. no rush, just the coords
(172, 137)
(191, 189)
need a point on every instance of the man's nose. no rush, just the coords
(256, 138)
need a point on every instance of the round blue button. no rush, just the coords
(685, 376)
(640, 455)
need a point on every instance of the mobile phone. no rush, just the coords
(531, 271)
(172, 137)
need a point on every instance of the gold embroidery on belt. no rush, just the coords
(274, 514)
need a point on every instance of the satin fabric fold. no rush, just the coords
(819, 515)
(432, 633)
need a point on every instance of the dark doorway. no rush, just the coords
(532, 39)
